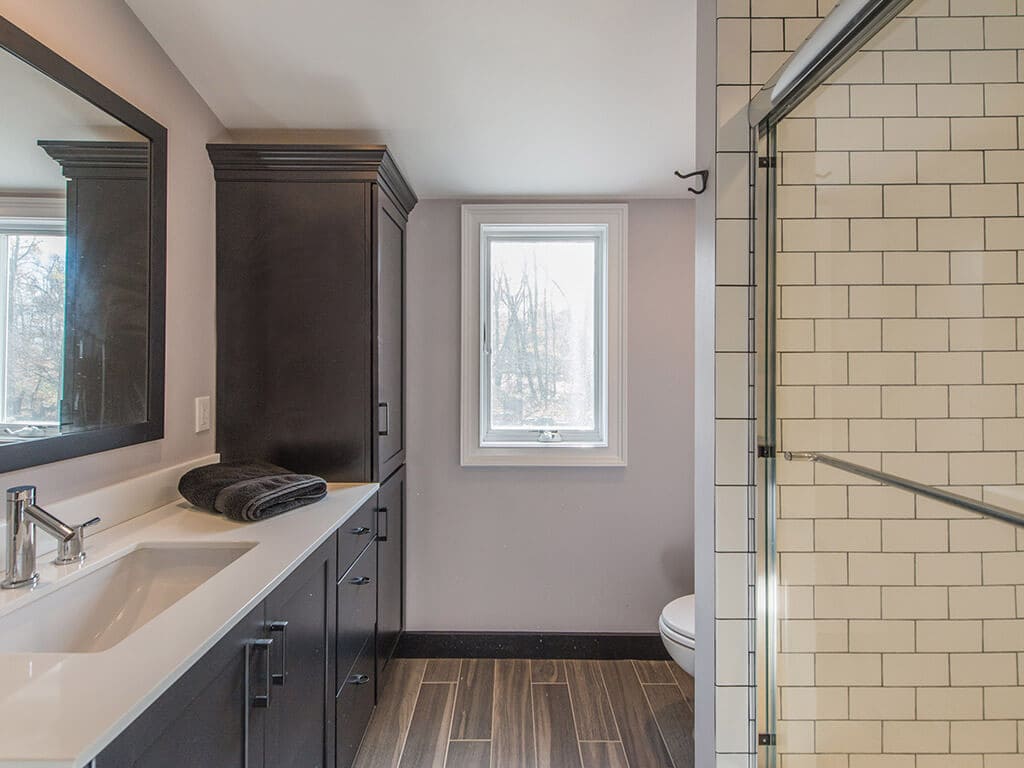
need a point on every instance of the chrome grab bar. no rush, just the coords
(928, 491)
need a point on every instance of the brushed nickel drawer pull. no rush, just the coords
(359, 679)
(359, 580)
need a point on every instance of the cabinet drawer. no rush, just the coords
(357, 611)
(354, 706)
(357, 533)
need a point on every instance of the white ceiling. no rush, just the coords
(475, 97)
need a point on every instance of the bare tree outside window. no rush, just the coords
(34, 322)
(542, 334)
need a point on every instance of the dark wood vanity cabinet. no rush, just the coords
(292, 685)
(208, 719)
(358, 593)
(263, 696)
(390, 566)
(301, 619)
(310, 307)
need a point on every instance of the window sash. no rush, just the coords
(497, 437)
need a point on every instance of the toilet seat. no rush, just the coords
(677, 621)
(675, 637)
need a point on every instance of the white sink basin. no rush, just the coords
(101, 608)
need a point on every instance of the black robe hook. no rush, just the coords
(703, 180)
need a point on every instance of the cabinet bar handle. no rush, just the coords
(382, 523)
(359, 580)
(251, 701)
(278, 678)
(358, 679)
(260, 700)
(386, 421)
(362, 530)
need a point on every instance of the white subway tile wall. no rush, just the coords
(901, 271)
(741, 39)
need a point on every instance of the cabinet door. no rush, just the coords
(390, 337)
(294, 326)
(390, 566)
(213, 717)
(300, 619)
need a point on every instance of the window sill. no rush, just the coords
(543, 456)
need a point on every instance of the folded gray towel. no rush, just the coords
(249, 490)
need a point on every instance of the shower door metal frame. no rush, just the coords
(764, 250)
(824, 52)
(842, 33)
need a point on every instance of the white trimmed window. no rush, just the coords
(543, 335)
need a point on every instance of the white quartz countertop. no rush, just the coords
(61, 710)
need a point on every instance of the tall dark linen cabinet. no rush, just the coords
(310, 325)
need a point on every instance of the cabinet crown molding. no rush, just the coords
(90, 158)
(319, 162)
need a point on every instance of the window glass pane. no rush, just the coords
(542, 295)
(34, 344)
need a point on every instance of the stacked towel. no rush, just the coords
(249, 490)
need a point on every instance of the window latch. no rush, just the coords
(549, 436)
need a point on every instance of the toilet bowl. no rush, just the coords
(677, 631)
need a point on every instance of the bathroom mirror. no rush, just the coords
(82, 259)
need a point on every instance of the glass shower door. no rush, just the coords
(892, 375)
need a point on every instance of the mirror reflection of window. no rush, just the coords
(32, 305)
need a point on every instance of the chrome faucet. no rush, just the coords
(22, 518)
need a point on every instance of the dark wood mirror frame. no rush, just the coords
(50, 449)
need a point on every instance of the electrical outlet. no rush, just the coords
(202, 413)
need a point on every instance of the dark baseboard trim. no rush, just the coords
(528, 645)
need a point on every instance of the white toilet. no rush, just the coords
(677, 631)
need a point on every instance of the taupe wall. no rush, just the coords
(558, 550)
(104, 38)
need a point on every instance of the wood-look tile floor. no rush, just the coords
(508, 713)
